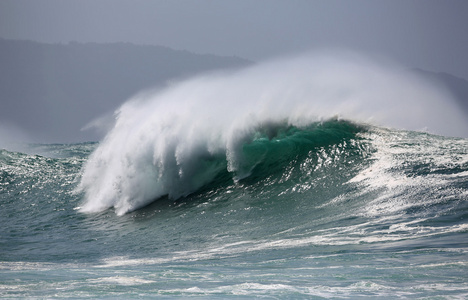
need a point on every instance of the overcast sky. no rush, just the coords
(429, 34)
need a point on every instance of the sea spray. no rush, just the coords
(162, 141)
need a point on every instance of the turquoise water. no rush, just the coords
(331, 210)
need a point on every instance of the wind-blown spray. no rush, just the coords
(162, 141)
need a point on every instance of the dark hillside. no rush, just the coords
(457, 86)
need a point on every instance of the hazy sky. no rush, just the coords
(429, 34)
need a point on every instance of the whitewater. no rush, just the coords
(323, 176)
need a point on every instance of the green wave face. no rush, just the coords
(277, 149)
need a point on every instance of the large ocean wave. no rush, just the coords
(176, 141)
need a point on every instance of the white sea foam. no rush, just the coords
(161, 138)
(399, 186)
(120, 280)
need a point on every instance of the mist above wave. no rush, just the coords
(161, 139)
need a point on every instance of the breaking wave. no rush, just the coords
(247, 124)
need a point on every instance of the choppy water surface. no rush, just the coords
(334, 210)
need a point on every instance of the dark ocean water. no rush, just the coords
(332, 210)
